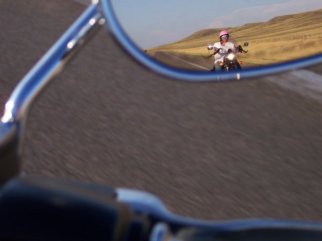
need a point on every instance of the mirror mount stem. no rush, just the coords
(21, 99)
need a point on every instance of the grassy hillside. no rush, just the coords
(280, 39)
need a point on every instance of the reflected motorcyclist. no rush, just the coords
(221, 48)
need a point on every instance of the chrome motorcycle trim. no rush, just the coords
(139, 199)
(148, 204)
(50, 65)
(133, 50)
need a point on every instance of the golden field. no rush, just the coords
(277, 40)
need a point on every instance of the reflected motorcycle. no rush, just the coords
(230, 61)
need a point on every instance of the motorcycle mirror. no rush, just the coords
(172, 38)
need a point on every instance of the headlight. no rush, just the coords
(231, 56)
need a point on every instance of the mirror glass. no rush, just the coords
(185, 34)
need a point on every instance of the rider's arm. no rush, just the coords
(216, 48)
(239, 49)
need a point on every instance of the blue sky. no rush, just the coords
(154, 22)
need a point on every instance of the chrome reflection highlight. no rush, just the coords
(8, 116)
(92, 21)
(82, 34)
(140, 200)
(161, 232)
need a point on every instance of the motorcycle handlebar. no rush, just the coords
(48, 209)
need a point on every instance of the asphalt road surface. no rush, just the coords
(217, 151)
(184, 62)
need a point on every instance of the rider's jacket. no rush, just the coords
(219, 57)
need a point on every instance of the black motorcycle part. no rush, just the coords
(37, 209)
(9, 153)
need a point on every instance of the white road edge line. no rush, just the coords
(188, 62)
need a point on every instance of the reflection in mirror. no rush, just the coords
(209, 35)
